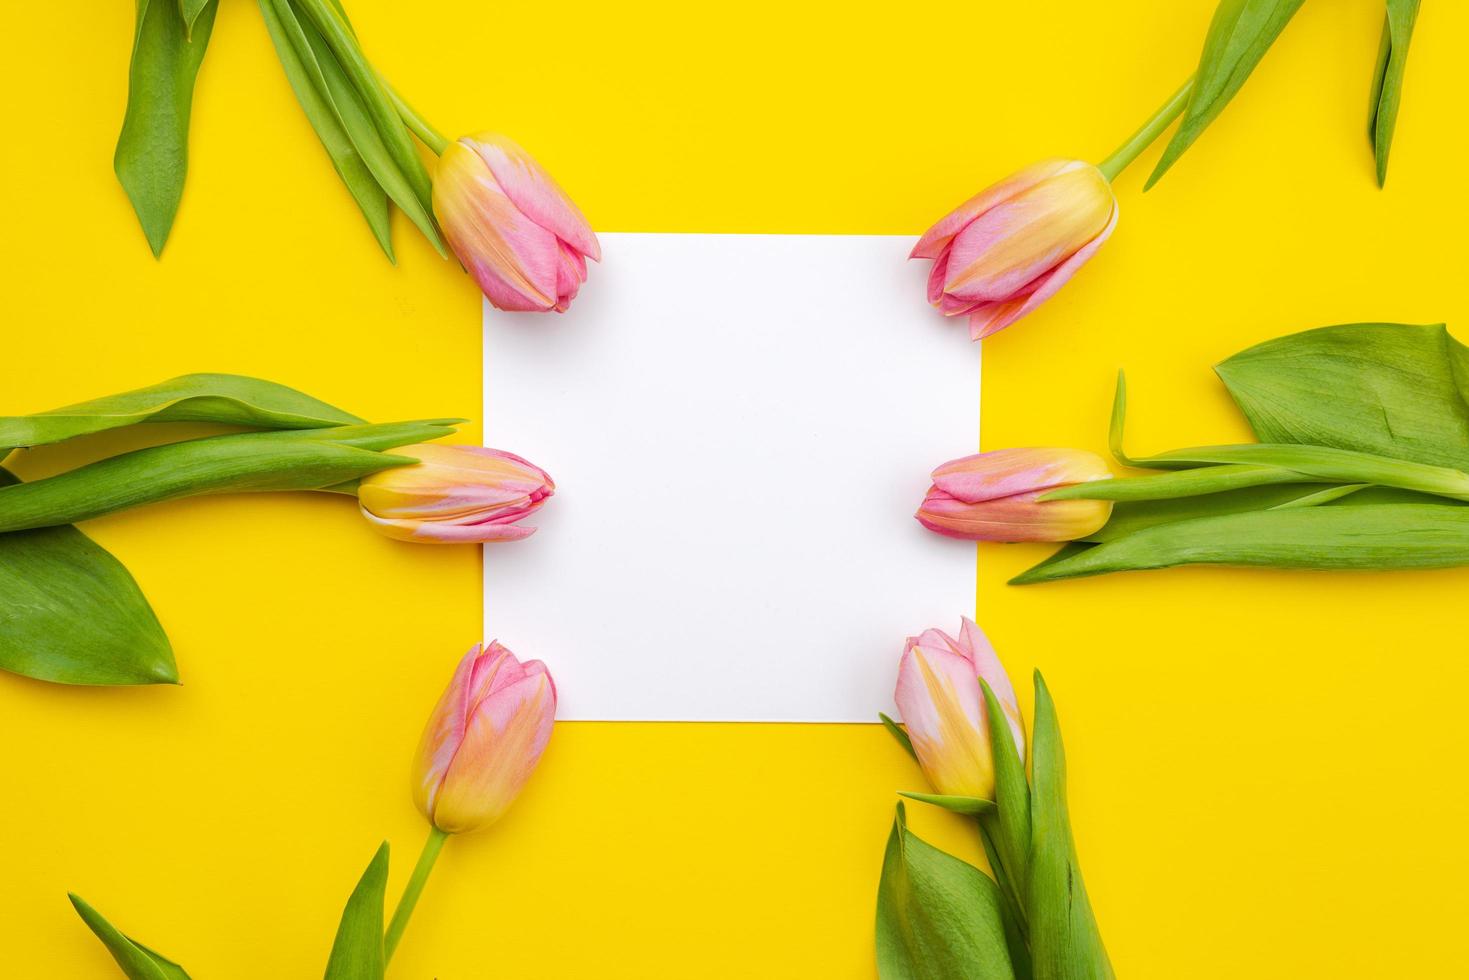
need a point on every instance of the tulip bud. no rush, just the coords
(455, 494)
(995, 496)
(483, 739)
(1003, 252)
(513, 228)
(943, 707)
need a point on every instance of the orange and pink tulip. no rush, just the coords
(456, 494)
(943, 708)
(995, 496)
(483, 739)
(516, 232)
(1008, 249)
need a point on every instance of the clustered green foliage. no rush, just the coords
(1363, 463)
(70, 611)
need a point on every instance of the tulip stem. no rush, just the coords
(431, 137)
(1151, 130)
(404, 911)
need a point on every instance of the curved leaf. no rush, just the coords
(937, 917)
(1387, 80)
(230, 399)
(71, 613)
(1336, 536)
(1393, 389)
(966, 805)
(1065, 942)
(357, 952)
(137, 961)
(1239, 35)
(153, 148)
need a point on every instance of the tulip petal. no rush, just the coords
(988, 320)
(1003, 472)
(937, 238)
(1005, 249)
(443, 734)
(1022, 517)
(534, 192)
(939, 698)
(987, 665)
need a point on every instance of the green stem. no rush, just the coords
(1151, 130)
(432, 138)
(404, 911)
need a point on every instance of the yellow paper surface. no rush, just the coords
(1267, 767)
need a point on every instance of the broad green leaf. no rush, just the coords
(1239, 35)
(1345, 535)
(1387, 80)
(71, 613)
(938, 918)
(1065, 942)
(967, 805)
(230, 399)
(1387, 388)
(357, 952)
(898, 733)
(358, 77)
(1012, 793)
(309, 84)
(153, 149)
(137, 961)
(246, 462)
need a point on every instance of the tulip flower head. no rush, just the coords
(456, 494)
(513, 228)
(483, 740)
(943, 707)
(1006, 250)
(995, 496)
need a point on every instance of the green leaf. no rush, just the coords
(1065, 942)
(1387, 80)
(71, 613)
(230, 399)
(1239, 35)
(153, 149)
(967, 805)
(1012, 793)
(938, 918)
(1196, 482)
(1336, 536)
(307, 81)
(1386, 388)
(246, 462)
(897, 732)
(369, 116)
(357, 952)
(137, 961)
(189, 10)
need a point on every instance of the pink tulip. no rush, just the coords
(483, 739)
(995, 496)
(513, 228)
(456, 494)
(941, 703)
(1003, 252)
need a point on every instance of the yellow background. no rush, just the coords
(1268, 774)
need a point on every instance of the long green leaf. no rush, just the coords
(137, 961)
(357, 952)
(248, 462)
(968, 806)
(1012, 794)
(1387, 80)
(1064, 939)
(190, 10)
(309, 84)
(1239, 35)
(153, 148)
(938, 918)
(230, 399)
(897, 732)
(1196, 482)
(359, 78)
(1387, 388)
(1338, 536)
(71, 613)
